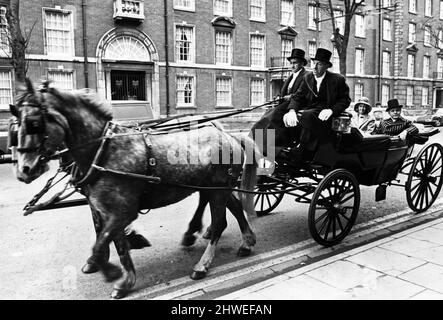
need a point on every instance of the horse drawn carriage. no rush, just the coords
(118, 186)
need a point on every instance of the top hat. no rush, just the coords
(298, 54)
(393, 103)
(363, 101)
(323, 55)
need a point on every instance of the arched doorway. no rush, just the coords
(128, 73)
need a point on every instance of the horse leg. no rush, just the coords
(91, 267)
(217, 204)
(248, 236)
(124, 285)
(195, 225)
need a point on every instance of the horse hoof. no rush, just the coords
(188, 240)
(118, 293)
(90, 268)
(207, 235)
(137, 241)
(111, 272)
(197, 275)
(243, 252)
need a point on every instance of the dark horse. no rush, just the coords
(49, 119)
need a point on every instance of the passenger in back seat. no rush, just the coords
(362, 120)
(396, 124)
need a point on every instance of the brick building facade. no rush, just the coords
(218, 54)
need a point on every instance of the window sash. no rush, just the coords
(426, 66)
(359, 26)
(184, 44)
(409, 95)
(312, 12)
(411, 65)
(312, 48)
(425, 96)
(184, 4)
(413, 6)
(286, 49)
(358, 91)
(339, 20)
(287, 12)
(185, 91)
(58, 31)
(441, 9)
(386, 63)
(257, 47)
(387, 31)
(5, 88)
(427, 37)
(223, 7)
(223, 92)
(411, 33)
(359, 61)
(62, 79)
(428, 8)
(223, 47)
(335, 61)
(385, 93)
(257, 92)
(440, 68)
(257, 8)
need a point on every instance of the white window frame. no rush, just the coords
(223, 104)
(288, 4)
(359, 61)
(257, 83)
(387, 30)
(312, 49)
(181, 91)
(386, 63)
(360, 26)
(5, 48)
(262, 62)
(441, 10)
(192, 43)
(411, 65)
(45, 11)
(258, 4)
(440, 39)
(229, 49)
(440, 68)
(50, 75)
(312, 16)
(286, 48)
(358, 91)
(427, 36)
(409, 96)
(424, 96)
(428, 8)
(218, 12)
(426, 66)
(339, 20)
(385, 94)
(413, 6)
(335, 61)
(412, 32)
(7, 80)
(179, 5)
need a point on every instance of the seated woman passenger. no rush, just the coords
(363, 121)
(396, 124)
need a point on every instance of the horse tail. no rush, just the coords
(249, 174)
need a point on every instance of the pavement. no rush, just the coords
(396, 259)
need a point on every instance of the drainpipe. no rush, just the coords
(380, 50)
(85, 45)
(167, 57)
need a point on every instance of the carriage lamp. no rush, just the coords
(342, 123)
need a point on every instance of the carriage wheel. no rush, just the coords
(425, 178)
(334, 207)
(266, 202)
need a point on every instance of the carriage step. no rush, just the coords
(380, 193)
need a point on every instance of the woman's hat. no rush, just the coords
(323, 55)
(363, 101)
(298, 54)
(392, 104)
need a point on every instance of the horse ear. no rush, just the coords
(14, 110)
(29, 86)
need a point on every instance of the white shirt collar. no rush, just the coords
(319, 80)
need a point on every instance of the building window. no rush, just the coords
(385, 94)
(441, 9)
(409, 96)
(386, 63)
(188, 5)
(223, 47)
(387, 3)
(411, 65)
(257, 92)
(184, 44)
(286, 49)
(440, 39)
(257, 49)
(5, 49)
(62, 79)
(223, 8)
(258, 10)
(440, 68)
(312, 49)
(411, 33)
(428, 8)
(387, 30)
(339, 20)
(426, 66)
(223, 92)
(359, 61)
(5, 88)
(358, 91)
(59, 33)
(287, 13)
(424, 96)
(335, 61)
(312, 16)
(185, 91)
(359, 26)
(427, 36)
(413, 6)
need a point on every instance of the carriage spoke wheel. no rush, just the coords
(266, 202)
(425, 178)
(334, 207)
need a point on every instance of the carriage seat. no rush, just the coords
(355, 142)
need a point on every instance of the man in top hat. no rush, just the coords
(362, 120)
(396, 124)
(273, 119)
(321, 95)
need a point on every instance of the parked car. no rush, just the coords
(432, 117)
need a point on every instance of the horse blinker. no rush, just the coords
(34, 124)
